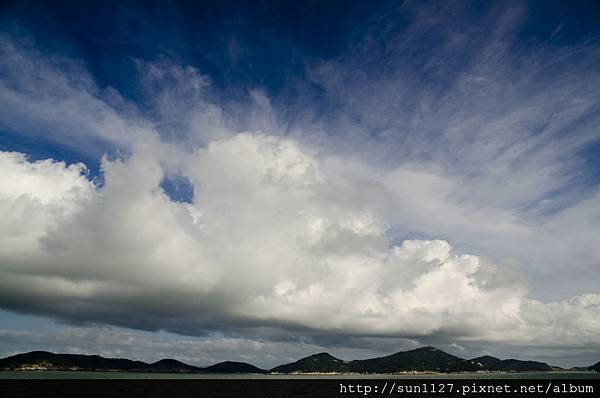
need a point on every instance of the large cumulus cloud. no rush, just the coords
(271, 239)
(377, 210)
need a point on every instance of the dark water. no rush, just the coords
(49, 384)
(70, 375)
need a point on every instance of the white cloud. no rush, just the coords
(270, 240)
(35, 196)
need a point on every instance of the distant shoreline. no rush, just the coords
(55, 373)
(421, 362)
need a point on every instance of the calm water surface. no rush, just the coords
(140, 375)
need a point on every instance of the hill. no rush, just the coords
(595, 368)
(426, 359)
(43, 360)
(489, 363)
(50, 361)
(173, 366)
(422, 359)
(233, 367)
(317, 363)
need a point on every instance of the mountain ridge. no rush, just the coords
(490, 363)
(322, 362)
(425, 359)
(44, 360)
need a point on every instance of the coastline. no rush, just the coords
(88, 374)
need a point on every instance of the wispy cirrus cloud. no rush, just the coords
(489, 136)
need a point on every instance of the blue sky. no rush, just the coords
(186, 170)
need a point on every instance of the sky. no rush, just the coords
(260, 181)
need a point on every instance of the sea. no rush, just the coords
(75, 375)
